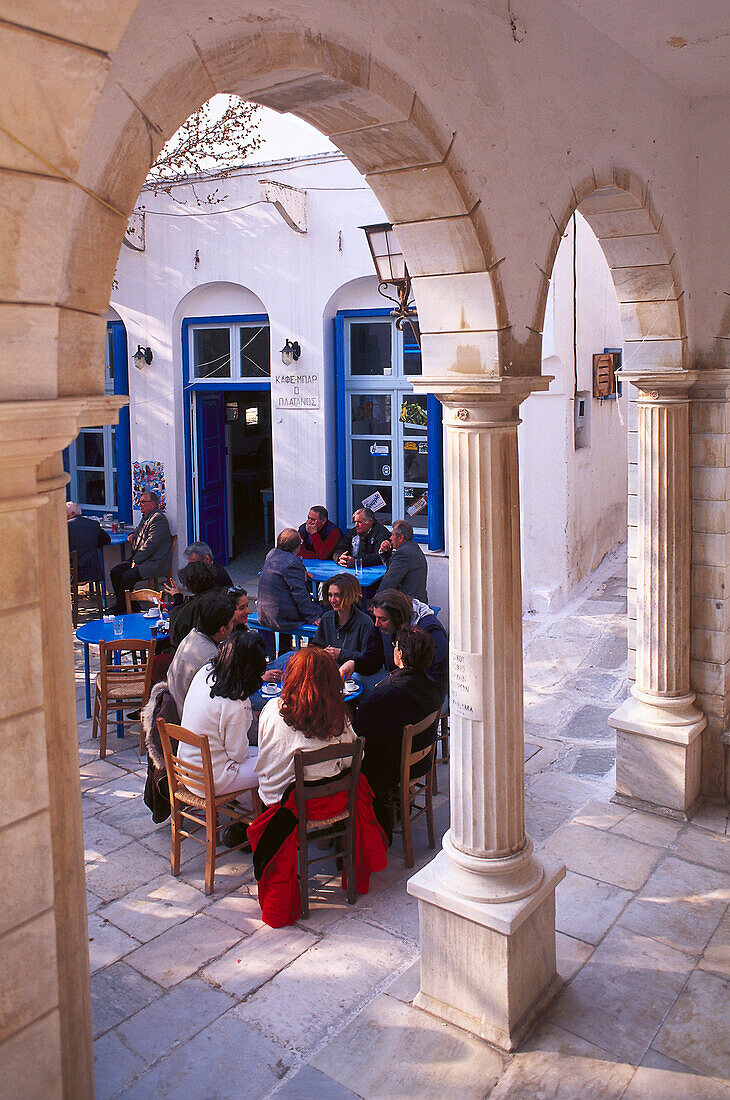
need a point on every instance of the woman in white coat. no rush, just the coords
(217, 706)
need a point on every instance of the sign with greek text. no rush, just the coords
(296, 391)
(465, 685)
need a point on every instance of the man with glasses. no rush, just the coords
(151, 546)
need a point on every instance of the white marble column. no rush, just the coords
(486, 903)
(45, 1025)
(658, 728)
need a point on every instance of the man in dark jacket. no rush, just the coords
(393, 610)
(284, 600)
(363, 541)
(86, 537)
(200, 551)
(319, 535)
(406, 563)
(151, 546)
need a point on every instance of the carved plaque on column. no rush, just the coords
(465, 686)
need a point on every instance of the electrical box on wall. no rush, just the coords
(581, 419)
(605, 365)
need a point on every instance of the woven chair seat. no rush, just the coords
(198, 801)
(313, 826)
(133, 689)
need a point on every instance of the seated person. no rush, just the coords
(198, 578)
(309, 713)
(200, 551)
(346, 632)
(363, 541)
(217, 706)
(86, 537)
(393, 610)
(215, 623)
(407, 696)
(151, 548)
(239, 598)
(319, 535)
(284, 600)
(407, 568)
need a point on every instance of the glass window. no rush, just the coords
(415, 462)
(370, 413)
(92, 488)
(411, 350)
(90, 448)
(371, 460)
(366, 491)
(370, 348)
(413, 414)
(211, 353)
(255, 352)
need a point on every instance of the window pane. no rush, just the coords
(211, 353)
(370, 348)
(370, 414)
(415, 506)
(91, 487)
(113, 502)
(411, 350)
(415, 461)
(255, 353)
(90, 448)
(371, 460)
(361, 492)
(413, 415)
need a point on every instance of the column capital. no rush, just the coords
(712, 382)
(31, 431)
(661, 386)
(480, 401)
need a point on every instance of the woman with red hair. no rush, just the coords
(309, 712)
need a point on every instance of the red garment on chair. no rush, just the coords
(274, 834)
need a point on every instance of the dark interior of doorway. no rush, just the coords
(249, 479)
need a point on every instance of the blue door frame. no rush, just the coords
(216, 386)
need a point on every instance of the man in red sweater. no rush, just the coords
(319, 535)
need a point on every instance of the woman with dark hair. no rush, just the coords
(309, 712)
(198, 577)
(393, 610)
(217, 706)
(405, 697)
(345, 631)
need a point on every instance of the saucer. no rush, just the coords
(351, 686)
(153, 613)
(271, 690)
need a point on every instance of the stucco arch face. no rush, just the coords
(642, 259)
(374, 118)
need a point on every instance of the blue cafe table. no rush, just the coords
(260, 698)
(136, 626)
(321, 571)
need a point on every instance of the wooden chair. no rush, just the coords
(157, 582)
(339, 827)
(142, 595)
(416, 780)
(121, 686)
(202, 810)
(442, 739)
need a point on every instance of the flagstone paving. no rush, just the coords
(194, 997)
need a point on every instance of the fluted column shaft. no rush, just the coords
(487, 766)
(663, 605)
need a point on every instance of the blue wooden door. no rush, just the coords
(211, 468)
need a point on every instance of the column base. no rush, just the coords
(658, 754)
(487, 967)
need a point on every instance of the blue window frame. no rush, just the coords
(218, 354)
(389, 439)
(98, 461)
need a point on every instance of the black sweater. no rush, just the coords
(358, 640)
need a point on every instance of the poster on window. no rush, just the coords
(148, 477)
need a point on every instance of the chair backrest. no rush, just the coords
(181, 773)
(346, 780)
(410, 757)
(142, 595)
(115, 676)
(171, 563)
(74, 566)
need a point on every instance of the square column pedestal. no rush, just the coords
(488, 968)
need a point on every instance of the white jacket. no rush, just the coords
(277, 744)
(225, 722)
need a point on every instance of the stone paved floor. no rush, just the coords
(193, 997)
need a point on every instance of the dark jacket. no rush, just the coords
(184, 617)
(321, 544)
(152, 545)
(86, 537)
(284, 600)
(369, 544)
(222, 576)
(358, 640)
(404, 698)
(407, 570)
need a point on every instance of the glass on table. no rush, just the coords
(118, 627)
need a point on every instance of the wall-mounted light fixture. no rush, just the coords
(142, 356)
(290, 352)
(391, 269)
